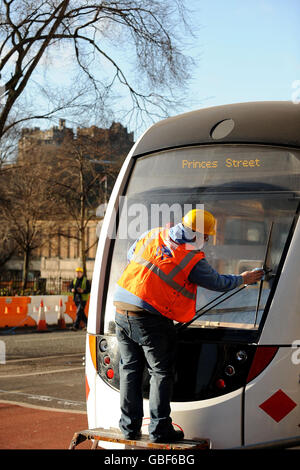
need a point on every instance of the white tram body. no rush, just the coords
(237, 380)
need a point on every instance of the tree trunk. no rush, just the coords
(82, 220)
(83, 252)
(25, 268)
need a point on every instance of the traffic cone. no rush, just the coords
(60, 317)
(42, 325)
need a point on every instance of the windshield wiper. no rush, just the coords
(266, 270)
(204, 309)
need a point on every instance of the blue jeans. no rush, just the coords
(146, 340)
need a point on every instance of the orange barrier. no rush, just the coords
(71, 308)
(14, 312)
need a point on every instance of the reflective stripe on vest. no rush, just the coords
(169, 278)
(158, 274)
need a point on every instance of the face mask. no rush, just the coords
(196, 239)
(188, 235)
(199, 242)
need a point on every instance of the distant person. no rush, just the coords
(80, 287)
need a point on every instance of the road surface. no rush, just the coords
(42, 388)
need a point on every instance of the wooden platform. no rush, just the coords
(114, 435)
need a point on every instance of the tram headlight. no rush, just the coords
(103, 345)
(241, 356)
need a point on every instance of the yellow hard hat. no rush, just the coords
(79, 270)
(196, 219)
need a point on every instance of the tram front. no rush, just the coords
(252, 191)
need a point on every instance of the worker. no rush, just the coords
(158, 286)
(80, 287)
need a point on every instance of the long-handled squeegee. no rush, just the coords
(204, 309)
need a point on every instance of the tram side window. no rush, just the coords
(244, 232)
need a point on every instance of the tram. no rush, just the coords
(237, 378)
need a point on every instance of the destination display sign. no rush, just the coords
(229, 163)
(217, 165)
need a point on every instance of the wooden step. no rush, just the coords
(114, 435)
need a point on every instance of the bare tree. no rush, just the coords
(7, 244)
(25, 209)
(9, 148)
(98, 35)
(8, 153)
(77, 186)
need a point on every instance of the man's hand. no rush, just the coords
(250, 277)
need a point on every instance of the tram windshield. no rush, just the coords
(247, 188)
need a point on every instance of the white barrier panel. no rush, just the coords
(51, 306)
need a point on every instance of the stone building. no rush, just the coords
(115, 141)
(59, 257)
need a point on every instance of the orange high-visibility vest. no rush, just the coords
(158, 274)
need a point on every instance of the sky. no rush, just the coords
(245, 50)
(249, 50)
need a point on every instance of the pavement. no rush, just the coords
(42, 388)
(28, 427)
